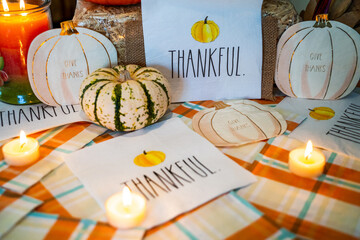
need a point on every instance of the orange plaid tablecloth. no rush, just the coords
(46, 201)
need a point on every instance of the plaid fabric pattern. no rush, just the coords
(322, 208)
(54, 144)
(279, 206)
(13, 207)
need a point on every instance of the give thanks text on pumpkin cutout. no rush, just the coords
(60, 59)
(238, 123)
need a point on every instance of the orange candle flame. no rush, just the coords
(5, 6)
(23, 139)
(308, 150)
(22, 5)
(126, 197)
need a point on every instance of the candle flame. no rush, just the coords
(23, 139)
(308, 150)
(126, 197)
(5, 6)
(22, 5)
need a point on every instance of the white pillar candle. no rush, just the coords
(306, 162)
(125, 209)
(21, 151)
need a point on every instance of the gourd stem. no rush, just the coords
(68, 28)
(205, 21)
(145, 152)
(124, 75)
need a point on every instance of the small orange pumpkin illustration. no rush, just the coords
(322, 113)
(205, 31)
(149, 159)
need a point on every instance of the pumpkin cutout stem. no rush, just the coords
(220, 105)
(124, 76)
(205, 20)
(322, 21)
(68, 28)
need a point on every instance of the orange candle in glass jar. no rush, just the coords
(20, 23)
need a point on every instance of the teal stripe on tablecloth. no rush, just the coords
(48, 134)
(339, 181)
(63, 150)
(31, 200)
(69, 191)
(271, 140)
(260, 158)
(185, 231)
(285, 234)
(312, 196)
(307, 205)
(18, 184)
(58, 149)
(85, 225)
(2, 163)
(2, 191)
(329, 160)
(246, 203)
(43, 215)
(193, 106)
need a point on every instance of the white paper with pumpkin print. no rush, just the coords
(186, 170)
(238, 123)
(207, 49)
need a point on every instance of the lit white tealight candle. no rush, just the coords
(306, 162)
(125, 209)
(21, 151)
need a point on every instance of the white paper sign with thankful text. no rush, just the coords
(340, 129)
(33, 118)
(192, 172)
(207, 49)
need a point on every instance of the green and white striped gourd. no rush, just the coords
(125, 98)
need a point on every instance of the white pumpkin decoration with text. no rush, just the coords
(238, 123)
(60, 59)
(318, 60)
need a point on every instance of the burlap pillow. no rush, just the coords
(123, 26)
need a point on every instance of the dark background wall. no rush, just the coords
(62, 10)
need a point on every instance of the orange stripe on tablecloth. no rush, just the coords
(308, 229)
(260, 229)
(45, 149)
(262, 101)
(62, 229)
(178, 218)
(187, 112)
(37, 134)
(333, 169)
(51, 205)
(7, 198)
(291, 125)
(102, 138)
(342, 172)
(326, 189)
(158, 228)
(242, 163)
(63, 136)
(207, 103)
(275, 152)
(102, 231)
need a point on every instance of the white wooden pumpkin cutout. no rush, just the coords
(318, 60)
(238, 123)
(60, 59)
